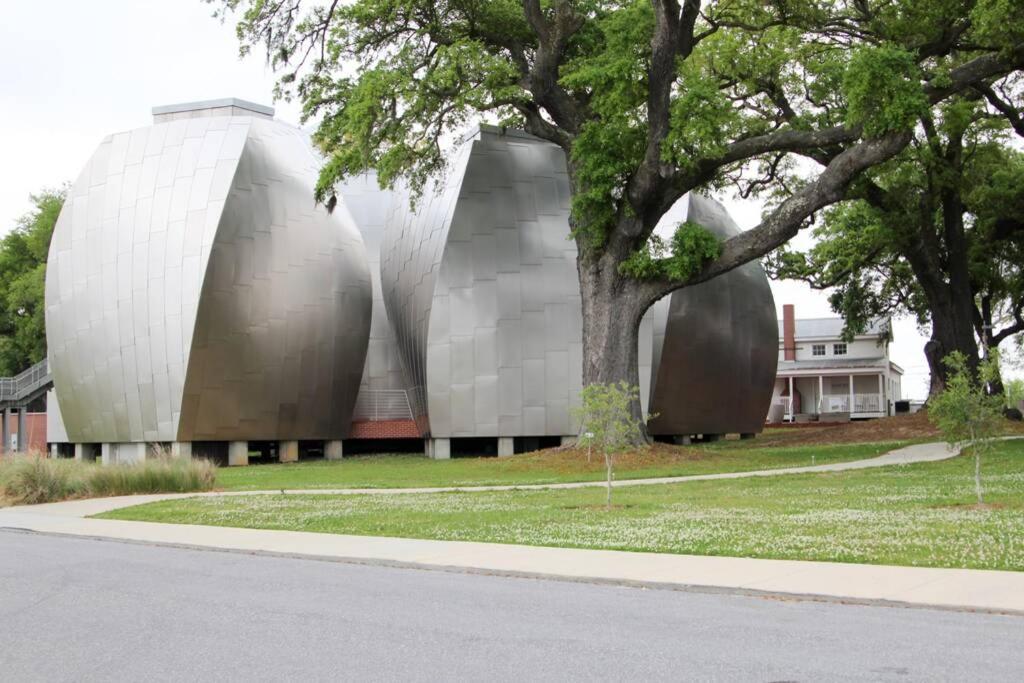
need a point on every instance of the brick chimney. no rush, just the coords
(788, 332)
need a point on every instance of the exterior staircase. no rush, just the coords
(16, 393)
(22, 389)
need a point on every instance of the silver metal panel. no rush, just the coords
(714, 357)
(169, 320)
(486, 256)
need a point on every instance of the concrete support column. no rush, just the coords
(440, 449)
(124, 453)
(334, 450)
(5, 417)
(22, 429)
(506, 446)
(287, 451)
(85, 452)
(181, 449)
(238, 453)
(684, 440)
(54, 451)
(428, 448)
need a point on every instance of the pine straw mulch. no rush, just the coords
(569, 459)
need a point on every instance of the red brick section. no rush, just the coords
(788, 332)
(385, 429)
(35, 425)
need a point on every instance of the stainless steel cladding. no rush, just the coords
(716, 344)
(481, 290)
(480, 285)
(195, 292)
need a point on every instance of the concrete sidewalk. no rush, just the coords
(964, 589)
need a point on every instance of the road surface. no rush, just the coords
(74, 609)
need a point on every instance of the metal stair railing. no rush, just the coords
(26, 384)
(376, 405)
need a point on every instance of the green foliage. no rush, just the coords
(883, 89)
(691, 248)
(1014, 392)
(606, 420)
(880, 250)
(23, 253)
(608, 148)
(32, 479)
(966, 414)
(606, 413)
(999, 22)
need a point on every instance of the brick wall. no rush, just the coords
(35, 425)
(385, 429)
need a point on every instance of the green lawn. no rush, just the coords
(402, 471)
(910, 515)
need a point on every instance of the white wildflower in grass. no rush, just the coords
(917, 515)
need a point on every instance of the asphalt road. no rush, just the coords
(83, 610)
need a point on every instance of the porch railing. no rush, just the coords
(840, 403)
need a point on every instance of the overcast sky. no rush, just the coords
(75, 71)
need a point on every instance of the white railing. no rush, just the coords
(787, 406)
(840, 403)
(12, 388)
(376, 405)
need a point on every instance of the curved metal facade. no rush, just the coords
(194, 291)
(716, 344)
(481, 289)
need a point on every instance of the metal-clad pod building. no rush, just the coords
(196, 293)
(481, 289)
(716, 344)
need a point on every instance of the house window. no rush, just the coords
(839, 349)
(817, 349)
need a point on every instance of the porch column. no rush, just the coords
(821, 393)
(790, 398)
(882, 403)
(851, 395)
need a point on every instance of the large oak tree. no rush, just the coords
(650, 99)
(936, 232)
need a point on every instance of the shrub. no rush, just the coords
(965, 413)
(160, 475)
(35, 479)
(607, 421)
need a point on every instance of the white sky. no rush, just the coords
(75, 71)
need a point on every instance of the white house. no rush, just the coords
(822, 376)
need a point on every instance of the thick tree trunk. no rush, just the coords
(950, 332)
(612, 309)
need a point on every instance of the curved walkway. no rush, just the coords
(924, 452)
(962, 589)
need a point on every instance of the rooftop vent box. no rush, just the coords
(227, 106)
